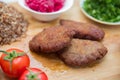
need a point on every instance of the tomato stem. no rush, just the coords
(32, 75)
(4, 52)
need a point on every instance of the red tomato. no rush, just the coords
(33, 74)
(14, 62)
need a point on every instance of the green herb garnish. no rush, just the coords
(104, 10)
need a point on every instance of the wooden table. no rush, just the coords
(107, 69)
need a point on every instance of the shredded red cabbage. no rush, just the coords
(45, 5)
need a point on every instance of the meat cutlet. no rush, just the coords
(82, 52)
(84, 30)
(51, 39)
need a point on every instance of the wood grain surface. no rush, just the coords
(106, 69)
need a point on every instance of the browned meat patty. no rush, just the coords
(84, 30)
(51, 40)
(82, 52)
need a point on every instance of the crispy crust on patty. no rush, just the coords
(51, 40)
(82, 52)
(84, 30)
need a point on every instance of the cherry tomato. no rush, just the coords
(14, 62)
(33, 74)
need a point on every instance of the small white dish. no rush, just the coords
(94, 19)
(47, 16)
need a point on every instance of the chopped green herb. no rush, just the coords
(104, 10)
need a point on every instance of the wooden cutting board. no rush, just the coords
(106, 69)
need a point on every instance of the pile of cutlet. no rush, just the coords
(76, 43)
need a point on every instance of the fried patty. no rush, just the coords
(82, 52)
(84, 30)
(51, 40)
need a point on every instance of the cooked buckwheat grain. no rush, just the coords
(12, 24)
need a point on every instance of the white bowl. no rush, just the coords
(94, 19)
(47, 16)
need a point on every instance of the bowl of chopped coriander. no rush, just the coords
(102, 11)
